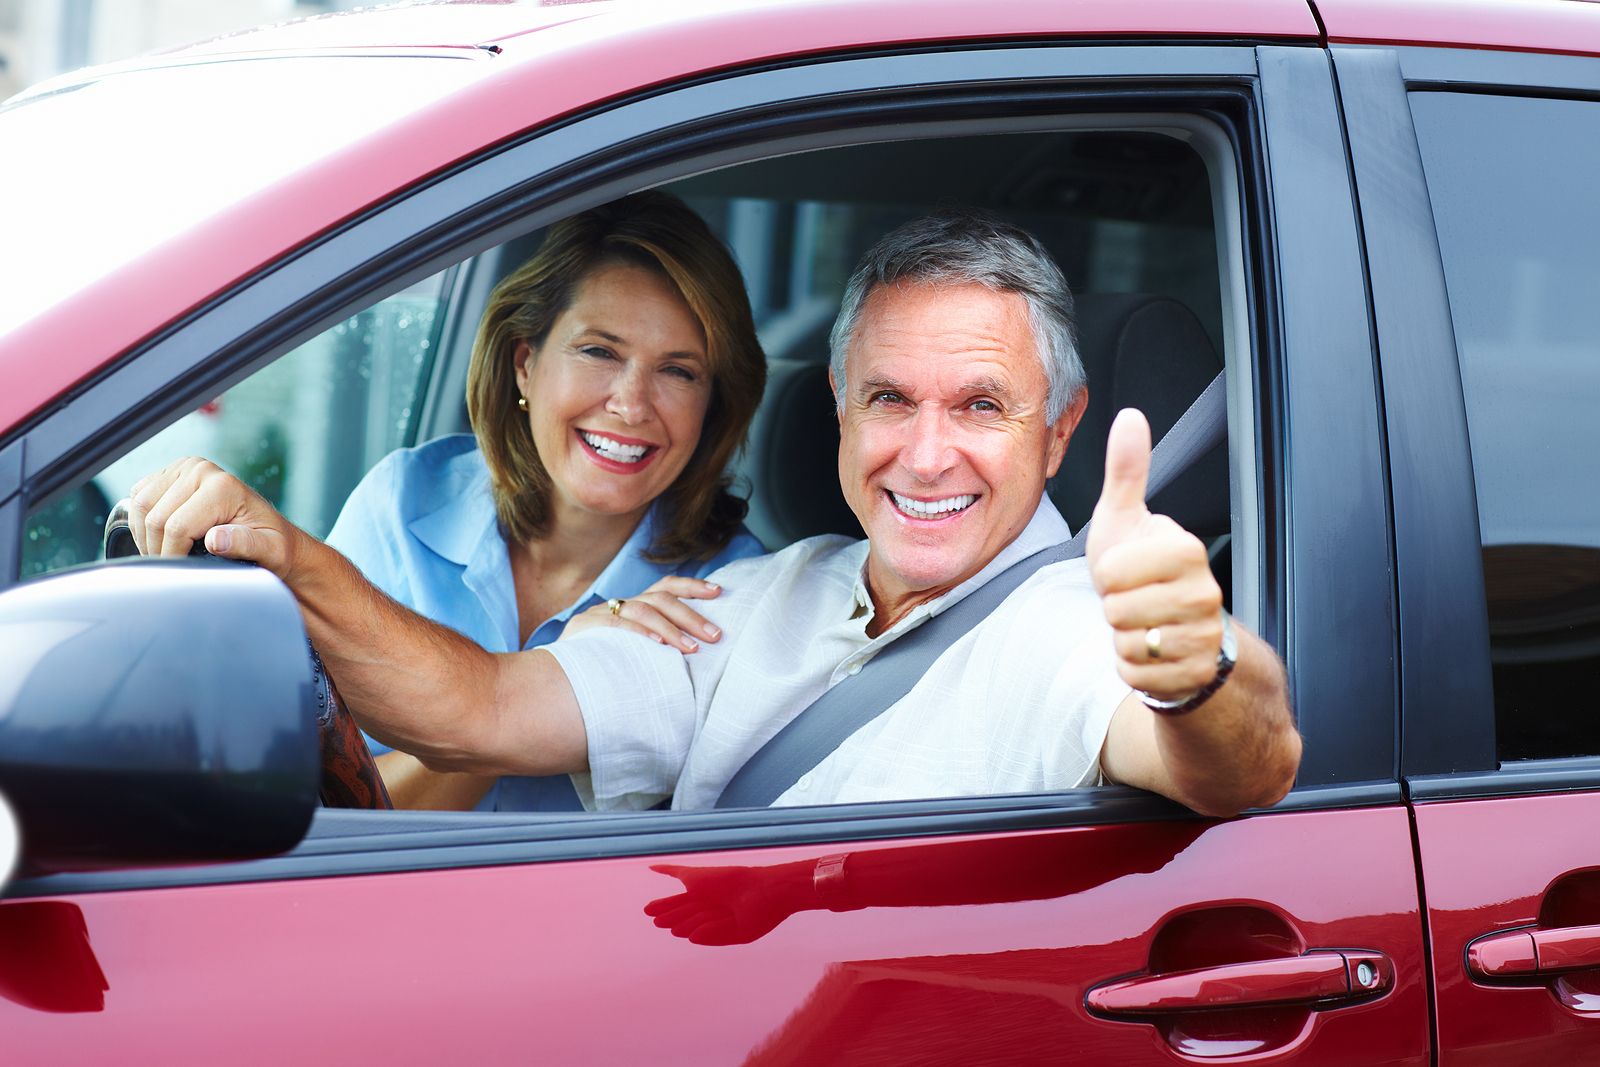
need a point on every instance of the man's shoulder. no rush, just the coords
(826, 554)
(1060, 594)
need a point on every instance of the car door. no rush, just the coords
(1095, 925)
(1474, 172)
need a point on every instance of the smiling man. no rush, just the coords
(958, 389)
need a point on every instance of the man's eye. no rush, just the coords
(886, 397)
(984, 407)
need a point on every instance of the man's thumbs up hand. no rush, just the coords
(1153, 576)
(1120, 513)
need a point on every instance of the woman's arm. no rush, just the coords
(412, 785)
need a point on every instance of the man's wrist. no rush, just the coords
(1227, 657)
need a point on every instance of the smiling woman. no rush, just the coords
(613, 375)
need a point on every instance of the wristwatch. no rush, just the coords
(1227, 655)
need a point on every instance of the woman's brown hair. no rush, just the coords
(660, 232)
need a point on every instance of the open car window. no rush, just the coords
(1144, 221)
(301, 431)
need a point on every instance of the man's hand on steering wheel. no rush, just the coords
(194, 500)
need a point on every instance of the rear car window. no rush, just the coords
(1512, 185)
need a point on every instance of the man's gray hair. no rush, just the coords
(960, 246)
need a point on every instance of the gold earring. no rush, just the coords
(522, 402)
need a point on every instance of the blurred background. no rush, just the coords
(42, 38)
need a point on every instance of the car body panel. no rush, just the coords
(955, 950)
(1492, 865)
(986, 945)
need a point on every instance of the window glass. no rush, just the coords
(1512, 184)
(301, 432)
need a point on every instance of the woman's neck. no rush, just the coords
(552, 571)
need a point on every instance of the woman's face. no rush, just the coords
(617, 392)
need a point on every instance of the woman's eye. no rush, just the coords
(597, 352)
(683, 373)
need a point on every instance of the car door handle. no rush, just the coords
(1530, 953)
(1312, 977)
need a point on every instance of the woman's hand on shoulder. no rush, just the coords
(658, 613)
(195, 501)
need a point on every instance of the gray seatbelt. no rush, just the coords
(858, 699)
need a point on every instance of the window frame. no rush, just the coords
(1291, 299)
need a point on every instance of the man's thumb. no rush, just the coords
(237, 541)
(1127, 464)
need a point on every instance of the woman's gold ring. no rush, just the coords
(1152, 642)
(615, 605)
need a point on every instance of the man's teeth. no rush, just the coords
(933, 507)
(614, 449)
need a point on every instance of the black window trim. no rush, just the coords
(1448, 716)
(618, 150)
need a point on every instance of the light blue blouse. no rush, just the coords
(421, 526)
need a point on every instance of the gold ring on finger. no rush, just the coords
(1152, 642)
(615, 605)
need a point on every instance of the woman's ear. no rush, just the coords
(522, 359)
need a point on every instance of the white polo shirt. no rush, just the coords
(1021, 703)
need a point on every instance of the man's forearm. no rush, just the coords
(425, 689)
(1238, 750)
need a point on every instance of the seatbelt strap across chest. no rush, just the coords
(858, 699)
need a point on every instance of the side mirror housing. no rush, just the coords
(155, 713)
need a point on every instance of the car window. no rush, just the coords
(301, 432)
(1131, 215)
(1512, 185)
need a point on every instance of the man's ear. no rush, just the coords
(1061, 432)
(838, 409)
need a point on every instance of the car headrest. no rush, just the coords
(1147, 352)
(1139, 350)
(792, 464)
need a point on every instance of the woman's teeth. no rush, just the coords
(614, 450)
(923, 509)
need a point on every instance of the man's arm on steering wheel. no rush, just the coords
(410, 682)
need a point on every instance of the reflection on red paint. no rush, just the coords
(45, 960)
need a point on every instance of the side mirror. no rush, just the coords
(154, 713)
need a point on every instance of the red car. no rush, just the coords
(1379, 218)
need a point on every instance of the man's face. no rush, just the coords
(944, 448)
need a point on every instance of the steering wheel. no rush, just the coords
(350, 777)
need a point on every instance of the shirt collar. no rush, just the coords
(629, 573)
(1044, 529)
(465, 530)
(464, 520)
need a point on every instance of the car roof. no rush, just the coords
(528, 64)
(1569, 27)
